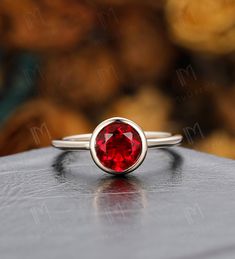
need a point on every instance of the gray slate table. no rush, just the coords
(179, 204)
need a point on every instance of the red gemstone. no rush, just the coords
(118, 146)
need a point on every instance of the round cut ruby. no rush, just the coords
(118, 146)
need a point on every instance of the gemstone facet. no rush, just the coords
(118, 146)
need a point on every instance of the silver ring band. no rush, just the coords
(82, 141)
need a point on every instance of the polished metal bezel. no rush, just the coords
(132, 124)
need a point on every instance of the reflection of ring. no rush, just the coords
(118, 145)
(119, 198)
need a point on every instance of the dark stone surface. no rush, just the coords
(178, 204)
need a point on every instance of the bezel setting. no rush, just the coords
(105, 123)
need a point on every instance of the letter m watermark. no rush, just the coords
(193, 213)
(106, 16)
(105, 73)
(40, 131)
(191, 132)
(40, 212)
(32, 17)
(184, 74)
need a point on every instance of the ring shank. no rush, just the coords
(82, 141)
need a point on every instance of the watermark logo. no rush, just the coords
(106, 16)
(40, 212)
(37, 132)
(193, 214)
(191, 132)
(33, 17)
(185, 74)
(104, 73)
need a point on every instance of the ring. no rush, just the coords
(118, 145)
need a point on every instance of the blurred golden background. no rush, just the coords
(65, 65)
